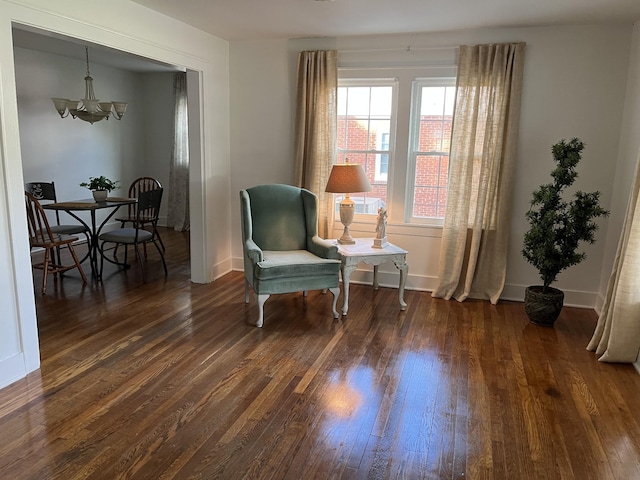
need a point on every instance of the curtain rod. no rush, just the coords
(397, 67)
(407, 49)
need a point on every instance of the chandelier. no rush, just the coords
(89, 109)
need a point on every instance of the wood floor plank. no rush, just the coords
(171, 380)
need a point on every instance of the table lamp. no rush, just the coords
(347, 178)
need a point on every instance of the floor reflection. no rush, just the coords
(413, 403)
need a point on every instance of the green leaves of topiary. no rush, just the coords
(556, 227)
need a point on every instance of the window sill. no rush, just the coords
(368, 229)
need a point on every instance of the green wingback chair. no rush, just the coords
(282, 250)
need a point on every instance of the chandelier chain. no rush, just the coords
(86, 54)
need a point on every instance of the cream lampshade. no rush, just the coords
(347, 178)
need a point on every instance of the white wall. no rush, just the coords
(125, 26)
(158, 132)
(261, 119)
(628, 157)
(574, 85)
(70, 151)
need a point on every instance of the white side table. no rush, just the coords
(362, 251)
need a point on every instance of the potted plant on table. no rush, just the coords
(101, 187)
(556, 228)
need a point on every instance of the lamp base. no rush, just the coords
(346, 217)
(346, 241)
(346, 238)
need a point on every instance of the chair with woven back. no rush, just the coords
(142, 184)
(42, 236)
(147, 210)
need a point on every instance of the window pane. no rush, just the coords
(432, 101)
(358, 100)
(381, 101)
(430, 193)
(377, 132)
(431, 142)
(364, 137)
(449, 100)
(433, 131)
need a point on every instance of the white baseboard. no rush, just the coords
(12, 369)
(218, 270)
(572, 298)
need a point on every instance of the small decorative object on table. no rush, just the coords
(381, 229)
(100, 186)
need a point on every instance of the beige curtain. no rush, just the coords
(617, 334)
(178, 207)
(483, 149)
(316, 114)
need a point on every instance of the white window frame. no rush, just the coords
(377, 82)
(397, 206)
(413, 152)
(380, 175)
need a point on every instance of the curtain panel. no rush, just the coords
(473, 255)
(178, 211)
(617, 334)
(315, 134)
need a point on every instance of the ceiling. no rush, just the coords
(280, 19)
(270, 19)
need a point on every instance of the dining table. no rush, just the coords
(74, 207)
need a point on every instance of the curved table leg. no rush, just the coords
(335, 292)
(347, 270)
(404, 269)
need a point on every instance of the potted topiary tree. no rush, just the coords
(556, 228)
(100, 186)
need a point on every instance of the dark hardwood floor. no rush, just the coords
(169, 379)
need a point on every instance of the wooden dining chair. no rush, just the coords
(147, 208)
(42, 236)
(47, 191)
(142, 184)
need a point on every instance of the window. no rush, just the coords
(399, 130)
(382, 159)
(429, 145)
(365, 128)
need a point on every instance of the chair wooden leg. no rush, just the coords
(336, 292)
(58, 257)
(246, 291)
(78, 266)
(45, 269)
(261, 299)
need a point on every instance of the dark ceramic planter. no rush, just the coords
(543, 308)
